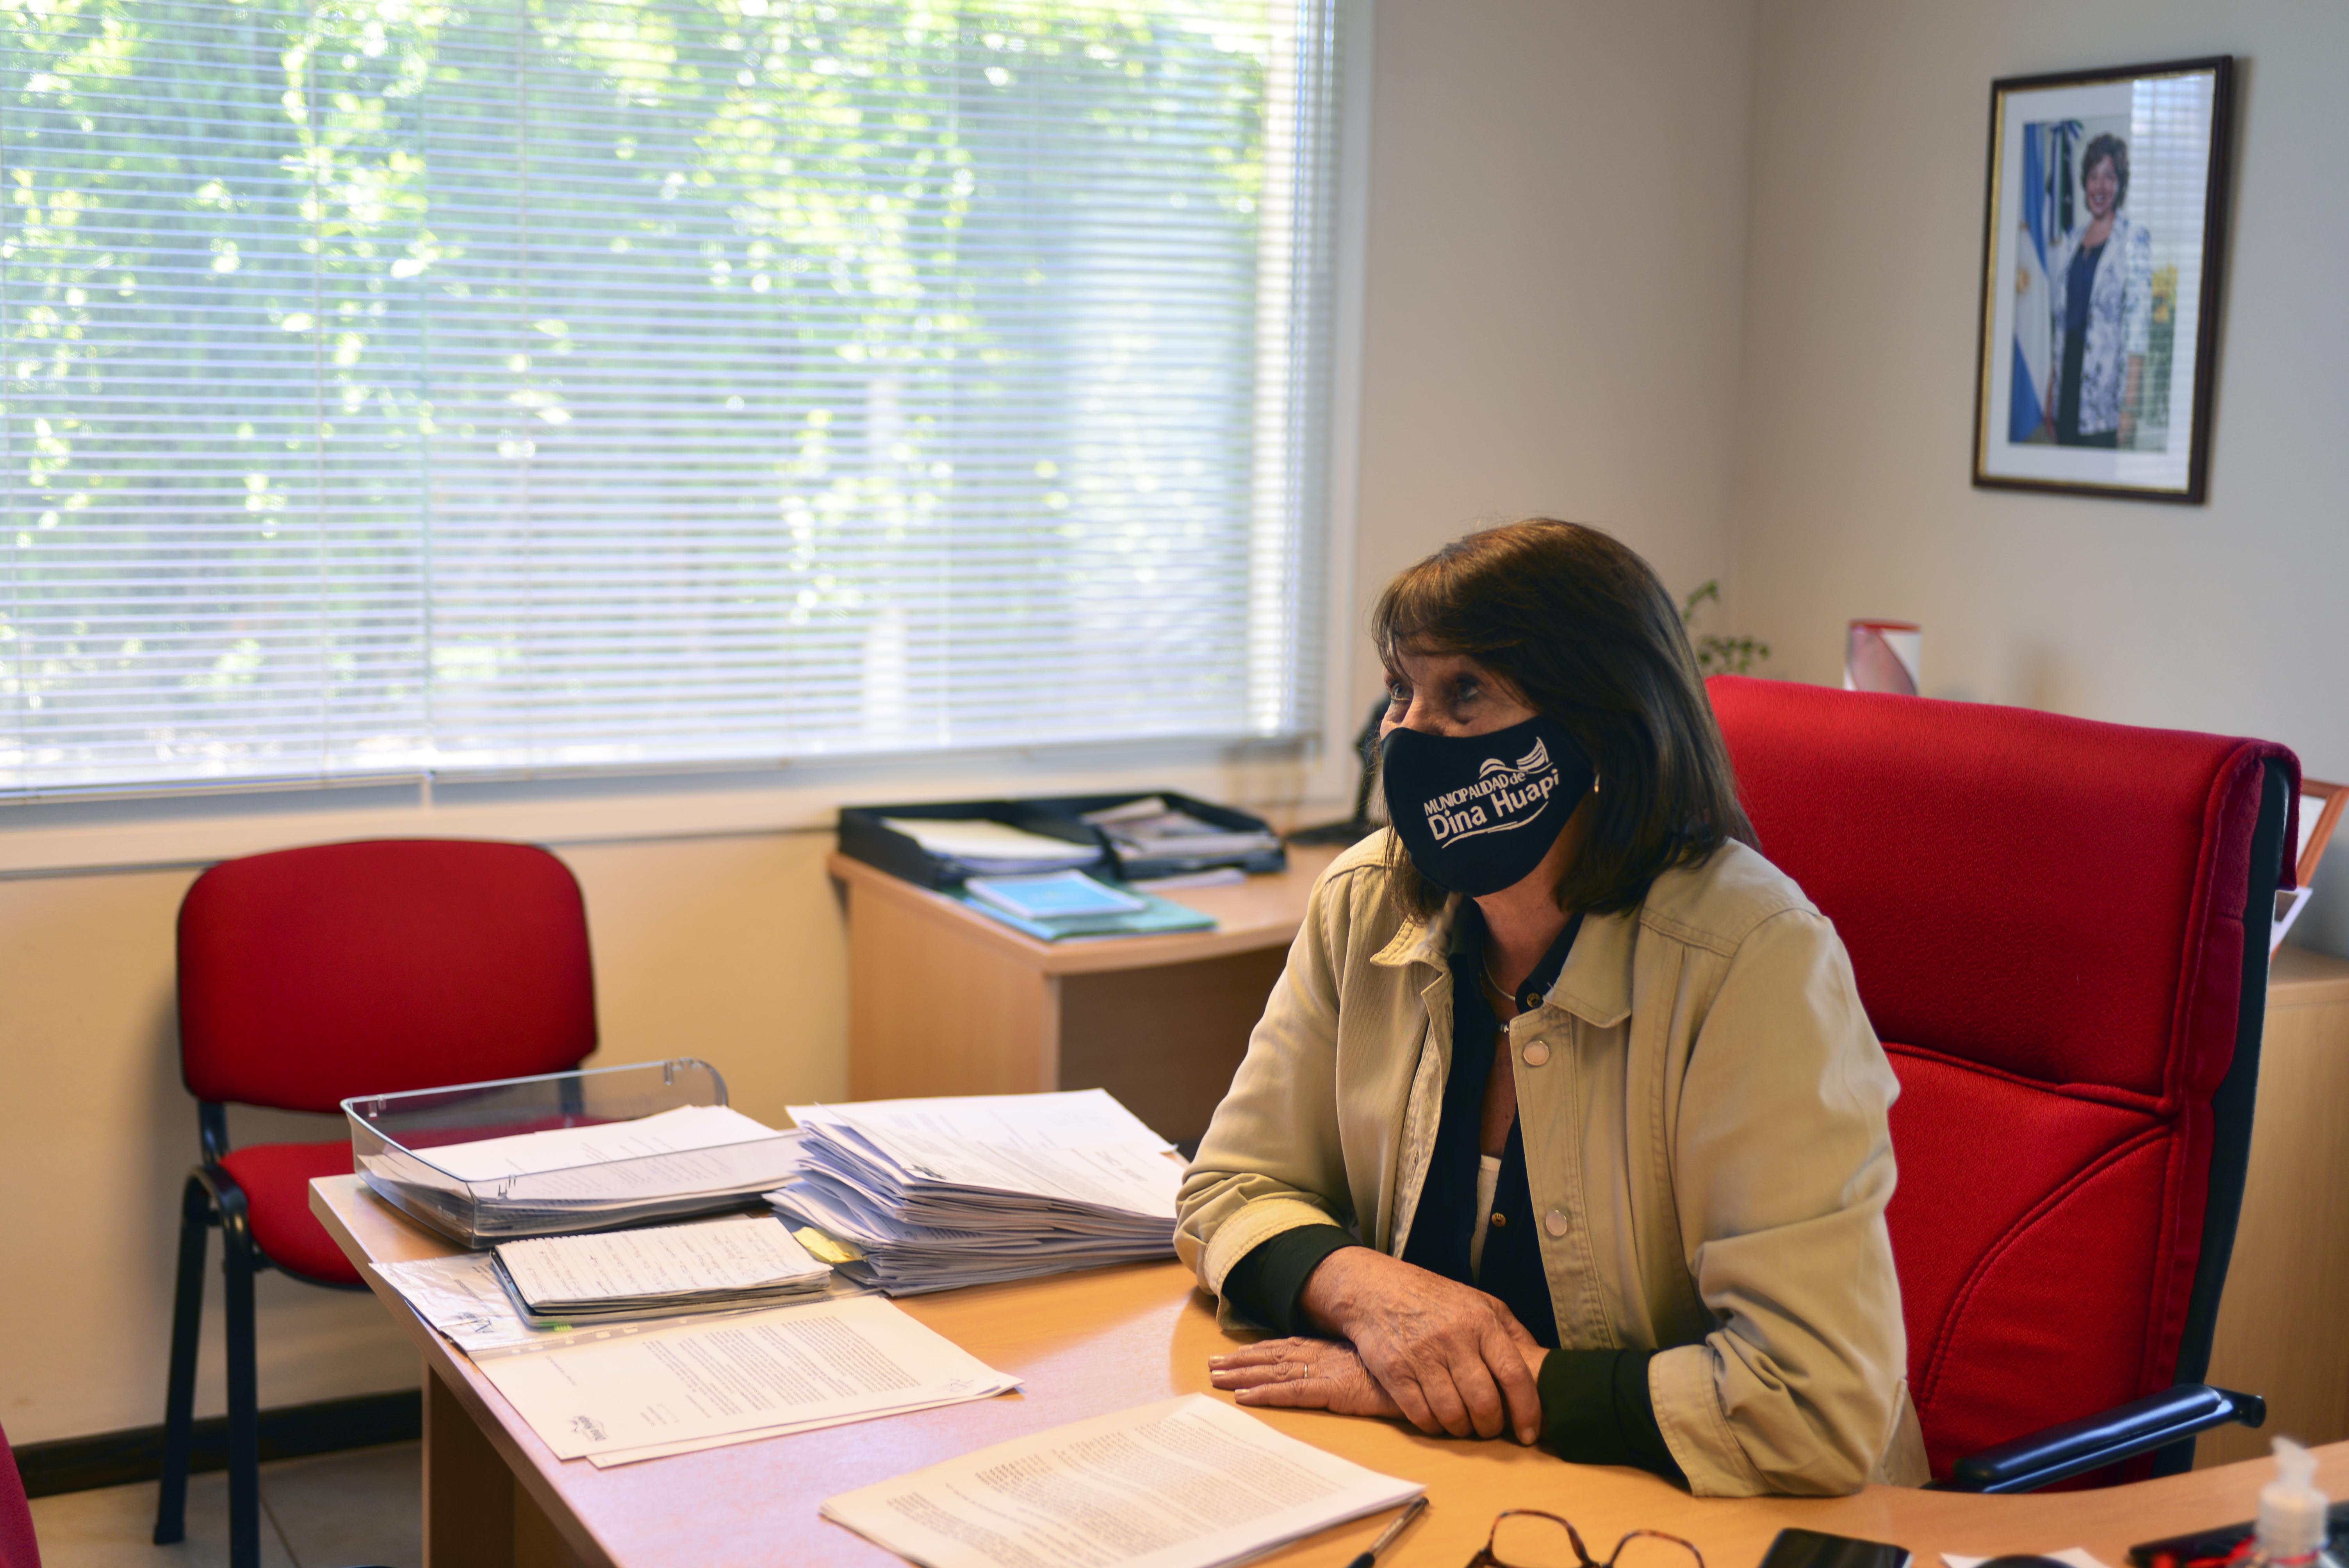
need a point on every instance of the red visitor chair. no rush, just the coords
(308, 977)
(2060, 931)
(18, 1547)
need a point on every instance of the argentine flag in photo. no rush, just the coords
(2030, 396)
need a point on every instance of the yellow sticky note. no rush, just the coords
(824, 1247)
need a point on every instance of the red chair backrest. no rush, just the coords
(2046, 919)
(18, 1547)
(310, 976)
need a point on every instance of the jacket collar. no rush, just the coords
(1595, 985)
(1421, 941)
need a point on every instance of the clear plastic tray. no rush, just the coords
(394, 1135)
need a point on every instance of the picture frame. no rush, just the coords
(2104, 230)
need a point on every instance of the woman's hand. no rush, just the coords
(1452, 1358)
(1303, 1375)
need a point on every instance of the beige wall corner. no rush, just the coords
(1555, 293)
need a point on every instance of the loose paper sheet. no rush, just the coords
(1188, 1482)
(2076, 1556)
(695, 1445)
(813, 1365)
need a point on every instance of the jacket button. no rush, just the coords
(1554, 1222)
(1536, 1055)
(1500, 1219)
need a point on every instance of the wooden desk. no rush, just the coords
(943, 1000)
(1101, 1341)
(2279, 1331)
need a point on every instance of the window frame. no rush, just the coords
(97, 830)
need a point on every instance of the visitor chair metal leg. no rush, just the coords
(179, 1392)
(243, 1394)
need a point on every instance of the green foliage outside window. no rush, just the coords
(306, 321)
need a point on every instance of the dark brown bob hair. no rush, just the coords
(1580, 626)
(2104, 145)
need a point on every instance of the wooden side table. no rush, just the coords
(2287, 1296)
(943, 1000)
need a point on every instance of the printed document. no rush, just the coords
(703, 1264)
(460, 1297)
(814, 1365)
(1188, 1482)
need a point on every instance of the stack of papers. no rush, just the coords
(982, 847)
(1151, 830)
(689, 1160)
(1188, 1482)
(918, 1195)
(750, 1261)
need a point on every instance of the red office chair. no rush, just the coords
(2060, 931)
(310, 976)
(18, 1547)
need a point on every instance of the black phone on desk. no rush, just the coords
(1816, 1549)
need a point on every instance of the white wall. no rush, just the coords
(1557, 261)
(1870, 129)
(1552, 322)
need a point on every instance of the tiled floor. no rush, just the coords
(336, 1511)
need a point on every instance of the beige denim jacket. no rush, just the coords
(1703, 1108)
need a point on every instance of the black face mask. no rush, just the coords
(1478, 812)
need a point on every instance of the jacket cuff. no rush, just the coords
(1688, 1410)
(1254, 1225)
(1269, 1283)
(1597, 1410)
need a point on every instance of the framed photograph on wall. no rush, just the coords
(2103, 235)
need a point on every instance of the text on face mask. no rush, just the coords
(1505, 798)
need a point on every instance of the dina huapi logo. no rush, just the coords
(1506, 795)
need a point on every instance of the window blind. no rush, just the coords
(418, 385)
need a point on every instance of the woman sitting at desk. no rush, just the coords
(1583, 1073)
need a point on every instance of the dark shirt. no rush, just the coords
(2077, 288)
(1595, 1405)
(1446, 1224)
(2080, 283)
